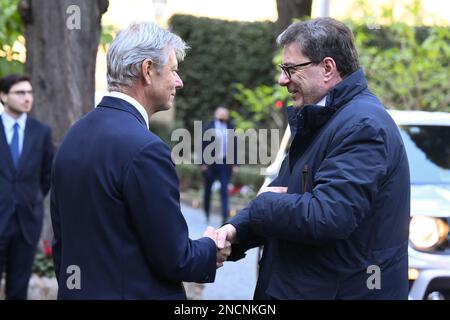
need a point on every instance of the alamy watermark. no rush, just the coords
(235, 147)
(73, 21)
(74, 279)
(374, 280)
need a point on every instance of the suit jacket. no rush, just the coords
(22, 190)
(116, 212)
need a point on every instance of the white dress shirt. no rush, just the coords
(322, 102)
(132, 101)
(221, 132)
(8, 124)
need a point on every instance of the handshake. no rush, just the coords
(223, 237)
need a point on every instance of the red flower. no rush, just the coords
(235, 190)
(47, 248)
(279, 104)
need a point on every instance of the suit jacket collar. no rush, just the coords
(120, 104)
(4, 148)
(28, 142)
(6, 118)
(312, 117)
(133, 102)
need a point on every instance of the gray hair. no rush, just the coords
(323, 37)
(132, 46)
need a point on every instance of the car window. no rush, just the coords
(428, 150)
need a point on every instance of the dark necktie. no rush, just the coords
(14, 146)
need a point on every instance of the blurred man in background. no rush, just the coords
(26, 155)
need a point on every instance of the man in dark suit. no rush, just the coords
(119, 231)
(222, 165)
(26, 154)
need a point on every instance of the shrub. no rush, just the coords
(222, 53)
(11, 30)
(248, 176)
(406, 66)
(190, 176)
(43, 262)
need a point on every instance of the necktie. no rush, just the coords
(14, 146)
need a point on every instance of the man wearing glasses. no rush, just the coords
(334, 223)
(26, 154)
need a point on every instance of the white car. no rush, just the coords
(426, 136)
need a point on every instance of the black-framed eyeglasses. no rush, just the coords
(288, 69)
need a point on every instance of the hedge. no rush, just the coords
(222, 54)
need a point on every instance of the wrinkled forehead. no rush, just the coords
(292, 54)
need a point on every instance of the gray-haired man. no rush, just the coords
(119, 231)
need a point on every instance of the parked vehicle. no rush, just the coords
(426, 136)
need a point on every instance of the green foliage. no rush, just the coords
(8, 67)
(259, 107)
(407, 67)
(107, 35)
(43, 265)
(43, 261)
(11, 29)
(222, 53)
(259, 104)
(10, 23)
(411, 75)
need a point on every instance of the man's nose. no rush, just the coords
(283, 80)
(178, 82)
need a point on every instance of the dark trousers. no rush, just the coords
(16, 258)
(222, 172)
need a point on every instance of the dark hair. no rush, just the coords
(324, 37)
(8, 81)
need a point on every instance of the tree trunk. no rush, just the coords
(62, 38)
(290, 9)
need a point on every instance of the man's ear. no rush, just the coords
(147, 68)
(3, 97)
(330, 69)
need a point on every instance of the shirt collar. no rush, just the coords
(132, 101)
(9, 121)
(322, 102)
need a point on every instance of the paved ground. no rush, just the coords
(235, 280)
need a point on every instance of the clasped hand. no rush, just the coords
(223, 238)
